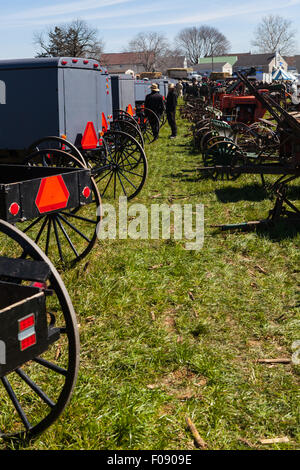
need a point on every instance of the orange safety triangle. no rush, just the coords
(104, 123)
(130, 110)
(53, 194)
(89, 139)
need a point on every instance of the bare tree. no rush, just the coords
(275, 33)
(75, 39)
(170, 59)
(150, 47)
(202, 41)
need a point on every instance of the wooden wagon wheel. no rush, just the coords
(163, 117)
(34, 395)
(125, 170)
(70, 234)
(58, 143)
(145, 117)
(120, 114)
(131, 129)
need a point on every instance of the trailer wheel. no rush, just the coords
(125, 171)
(70, 234)
(34, 395)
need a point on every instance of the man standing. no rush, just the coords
(154, 101)
(171, 110)
(179, 88)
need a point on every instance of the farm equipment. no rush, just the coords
(39, 340)
(284, 162)
(56, 115)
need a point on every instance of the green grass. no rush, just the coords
(167, 332)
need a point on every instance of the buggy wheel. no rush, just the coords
(57, 143)
(126, 169)
(163, 118)
(70, 234)
(120, 114)
(129, 128)
(34, 395)
(149, 124)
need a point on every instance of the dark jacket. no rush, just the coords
(171, 101)
(155, 102)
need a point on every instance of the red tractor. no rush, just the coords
(246, 109)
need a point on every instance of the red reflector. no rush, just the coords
(104, 123)
(39, 285)
(89, 139)
(74, 61)
(86, 192)
(26, 322)
(14, 208)
(53, 194)
(85, 61)
(27, 342)
(64, 62)
(96, 65)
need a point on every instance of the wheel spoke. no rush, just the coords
(127, 180)
(50, 365)
(32, 224)
(16, 403)
(75, 216)
(48, 236)
(57, 239)
(131, 172)
(41, 230)
(67, 237)
(74, 228)
(35, 388)
(122, 185)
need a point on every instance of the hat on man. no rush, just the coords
(154, 87)
(171, 85)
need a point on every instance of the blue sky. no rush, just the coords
(119, 20)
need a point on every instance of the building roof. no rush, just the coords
(293, 62)
(230, 59)
(121, 58)
(209, 64)
(250, 60)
